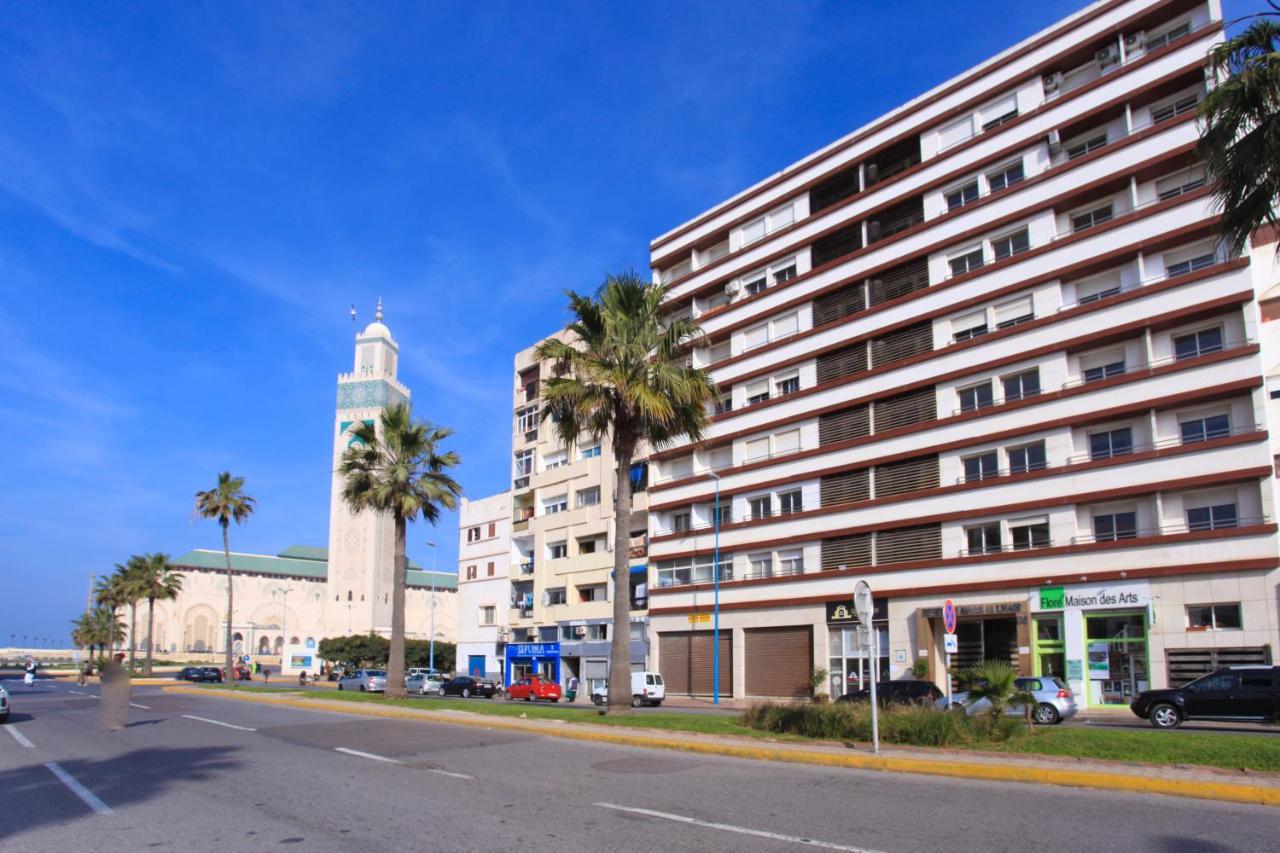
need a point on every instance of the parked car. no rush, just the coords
(647, 688)
(532, 688)
(1054, 700)
(1233, 694)
(422, 670)
(4, 705)
(200, 674)
(423, 684)
(897, 693)
(364, 680)
(467, 686)
(243, 673)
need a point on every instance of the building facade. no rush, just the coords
(484, 584)
(987, 349)
(562, 540)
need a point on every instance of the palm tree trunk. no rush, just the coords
(620, 648)
(226, 549)
(395, 662)
(151, 627)
(133, 632)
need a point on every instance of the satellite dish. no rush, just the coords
(862, 603)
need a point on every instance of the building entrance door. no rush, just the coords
(1117, 655)
(1050, 647)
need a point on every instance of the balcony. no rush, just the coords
(638, 546)
(526, 567)
(1170, 530)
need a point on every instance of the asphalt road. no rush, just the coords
(196, 773)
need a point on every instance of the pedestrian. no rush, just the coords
(572, 692)
(266, 674)
(30, 678)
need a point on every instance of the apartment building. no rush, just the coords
(484, 584)
(562, 540)
(985, 348)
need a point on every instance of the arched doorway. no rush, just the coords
(264, 645)
(237, 644)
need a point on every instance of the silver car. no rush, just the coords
(1054, 700)
(423, 684)
(364, 680)
(4, 705)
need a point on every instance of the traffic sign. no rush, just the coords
(949, 616)
(950, 645)
(862, 602)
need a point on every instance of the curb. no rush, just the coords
(1091, 779)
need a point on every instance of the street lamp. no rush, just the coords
(715, 575)
(284, 594)
(431, 622)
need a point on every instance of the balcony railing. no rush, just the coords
(526, 567)
(1172, 441)
(1170, 530)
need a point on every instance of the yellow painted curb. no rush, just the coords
(1231, 792)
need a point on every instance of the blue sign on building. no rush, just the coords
(534, 650)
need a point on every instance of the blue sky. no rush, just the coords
(191, 196)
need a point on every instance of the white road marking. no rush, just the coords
(219, 723)
(143, 707)
(20, 737)
(79, 790)
(741, 830)
(367, 755)
(450, 774)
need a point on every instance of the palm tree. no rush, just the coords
(158, 582)
(99, 628)
(226, 502)
(1240, 138)
(623, 374)
(396, 465)
(997, 682)
(131, 587)
(113, 592)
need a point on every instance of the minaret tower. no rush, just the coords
(361, 546)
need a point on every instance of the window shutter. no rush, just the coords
(955, 133)
(757, 336)
(787, 442)
(757, 448)
(1013, 310)
(787, 325)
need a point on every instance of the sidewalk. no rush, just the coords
(1198, 783)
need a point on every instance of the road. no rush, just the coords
(196, 773)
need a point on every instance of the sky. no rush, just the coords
(192, 196)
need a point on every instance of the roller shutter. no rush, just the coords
(779, 660)
(686, 661)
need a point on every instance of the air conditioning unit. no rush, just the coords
(1055, 141)
(731, 289)
(1052, 82)
(504, 634)
(531, 634)
(1134, 41)
(580, 631)
(1109, 55)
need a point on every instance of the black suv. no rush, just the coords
(1248, 694)
(898, 693)
(200, 673)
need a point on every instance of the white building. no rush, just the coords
(484, 587)
(984, 348)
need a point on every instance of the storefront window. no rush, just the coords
(850, 665)
(1117, 657)
(1051, 657)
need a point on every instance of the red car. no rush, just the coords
(533, 688)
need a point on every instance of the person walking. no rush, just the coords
(30, 678)
(571, 691)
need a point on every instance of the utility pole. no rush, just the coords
(431, 623)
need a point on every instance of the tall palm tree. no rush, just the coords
(131, 587)
(623, 375)
(1240, 138)
(158, 582)
(113, 592)
(396, 465)
(102, 628)
(226, 502)
(82, 632)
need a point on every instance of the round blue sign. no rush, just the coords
(949, 616)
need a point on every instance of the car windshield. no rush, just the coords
(373, 673)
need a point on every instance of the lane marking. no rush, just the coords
(79, 790)
(219, 723)
(741, 830)
(143, 707)
(20, 737)
(367, 755)
(449, 773)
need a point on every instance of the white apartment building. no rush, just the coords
(562, 541)
(985, 348)
(484, 584)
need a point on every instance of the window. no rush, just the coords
(759, 336)
(597, 632)
(955, 133)
(1181, 183)
(1213, 617)
(551, 506)
(1029, 533)
(966, 262)
(1205, 428)
(1006, 177)
(786, 442)
(527, 420)
(493, 529)
(757, 392)
(776, 219)
(471, 573)
(1083, 147)
(761, 507)
(760, 565)
(753, 231)
(1027, 457)
(588, 497)
(1003, 110)
(1114, 442)
(1198, 343)
(557, 596)
(693, 570)
(489, 569)
(1212, 517)
(1111, 365)
(788, 325)
(1115, 525)
(595, 592)
(789, 502)
(524, 463)
(960, 197)
(558, 550)
(681, 522)
(1022, 385)
(976, 397)
(556, 459)
(1012, 244)
(791, 562)
(757, 448)
(1015, 312)
(1199, 262)
(587, 546)
(967, 328)
(1088, 219)
(754, 284)
(488, 614)
(724, 404)
(591, 452)
(1159, 41)
(1092, 291)
(984, 538)
(787, 385)
(981, 467)
(1184, 104)
(473, 534)
(785, 273)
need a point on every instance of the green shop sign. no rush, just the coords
(1051, 598)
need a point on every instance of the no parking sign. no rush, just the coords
(949, 616)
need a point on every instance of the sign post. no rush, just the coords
(865, 607)
(950, 644)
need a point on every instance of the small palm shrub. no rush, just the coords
(907, 725)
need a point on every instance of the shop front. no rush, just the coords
(526, 659)
(850, 663)
(991, 630)
(1096, 637)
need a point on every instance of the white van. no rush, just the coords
(646, 689)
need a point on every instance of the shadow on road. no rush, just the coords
(34, 797)
(1182, 844)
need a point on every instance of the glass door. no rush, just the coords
(1050, 648)
(1117, 656)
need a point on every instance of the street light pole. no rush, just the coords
(284, 641)
(715, 574)
(431, 622)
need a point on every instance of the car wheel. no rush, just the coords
(507, 695)
(1047, 715)
(598, 699)
(340, 685)
(957, 707)
(529, 696)
(442, 693)
(637, 702)
(466, 694)
(4, 719)
(1165, 716)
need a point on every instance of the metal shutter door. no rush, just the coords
(686, 660)
(779, 660)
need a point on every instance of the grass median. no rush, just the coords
(1260, 752)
